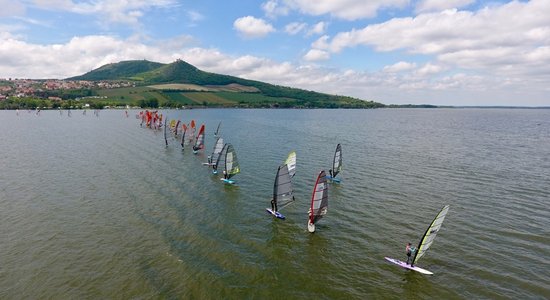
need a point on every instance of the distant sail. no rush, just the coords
(199, 142)
(337, 161)
(165, 139)
(430, 234)
(282, 188)
(184, 130)
(319, 200)
(176, 128)
(231, 162)
(291, 163)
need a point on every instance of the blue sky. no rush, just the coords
(446, 52)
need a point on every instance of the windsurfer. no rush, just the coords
(273, 205)
(410, 250)
(209, 159)
(330, 172)
(224, 174)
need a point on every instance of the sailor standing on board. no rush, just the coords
(410, 250)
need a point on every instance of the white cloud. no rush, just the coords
(487, 40)
(295, 28)
(318, 28)
(251, 27)
(439, 5)
(273, 9)
(11, 8)
(430, 69)
(399, 67)
(346, 9)
(316, 54)
(112, 11)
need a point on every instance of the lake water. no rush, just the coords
(98, 208)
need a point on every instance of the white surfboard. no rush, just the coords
(407, 266)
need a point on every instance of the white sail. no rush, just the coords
(282, 188)
(291, 163)
(430, 234)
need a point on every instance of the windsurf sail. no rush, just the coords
(337, 161)
(199, 142)
(184, 129)
(192, 131)
(165, 139)
(218, 129)
(221, 157)
(231, 162)
(282, 188)
(176, 128)
(430, 234)
(319, 199)
(218, 147)
(291, 163)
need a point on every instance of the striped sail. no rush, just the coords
(218, 147)
(221, 157)
(337, 161)
(319, 199)
(430, 234)
(291, 163)
(282, 188)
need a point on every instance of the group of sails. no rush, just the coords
(283, 193)
(223, 155)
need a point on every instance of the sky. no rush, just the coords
(443, 52)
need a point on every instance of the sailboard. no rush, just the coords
(336, 164)
(319, 201)
(282, 192)
(218, 147)
(291, 163)
(231, 165)
(165, 139)
(199, 141)
(217, 132)
(425, 243)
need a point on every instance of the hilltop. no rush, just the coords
(180, 83)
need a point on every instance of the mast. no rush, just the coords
(218, 129)
(430, 234)
(337, 161)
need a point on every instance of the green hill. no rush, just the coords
(180, 83)
(118, 71)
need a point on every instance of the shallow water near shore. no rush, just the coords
(98, 207)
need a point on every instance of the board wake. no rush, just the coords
(407, 266)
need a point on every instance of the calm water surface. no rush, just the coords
(98, 208)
